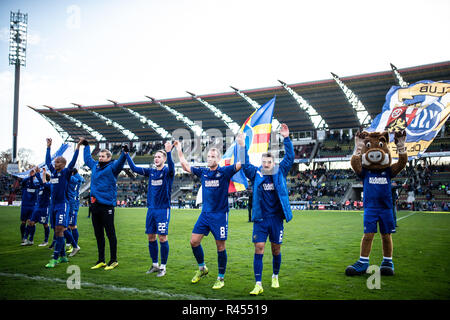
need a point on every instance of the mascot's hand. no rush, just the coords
(359, 142)
(400, 140)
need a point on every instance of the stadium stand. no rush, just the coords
(425, 186)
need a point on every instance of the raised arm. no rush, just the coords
(135, 168)
(400, 139)
(249, 169)
(48, 157)
(184, 164)
(74, 159)
(356, 161)
(38, 176)
(88, 160)
(118, 164)
(289, 155)
(170, 164)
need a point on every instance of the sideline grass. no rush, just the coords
(317, 247)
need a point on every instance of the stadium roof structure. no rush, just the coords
(325, 96)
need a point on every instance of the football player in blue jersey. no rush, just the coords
(73, 194)
(40, 212)
(60, 176)
(214, 215)
(371, 161)
(30, 190)
(160, 180)
(270, 205)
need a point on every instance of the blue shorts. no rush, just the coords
(271, 226)
(59, 215)
(157, 221)
(73, 212)
(40, 215)
(216, 222)
(384, 217)
(26, 213)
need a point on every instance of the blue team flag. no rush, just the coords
(421, 109)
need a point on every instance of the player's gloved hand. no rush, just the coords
(125, 148)
(85, 143)
(400, 140)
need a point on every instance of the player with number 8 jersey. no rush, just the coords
(214, 215)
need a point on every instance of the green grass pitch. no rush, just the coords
(317, 247)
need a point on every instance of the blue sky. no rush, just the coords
(90, 51)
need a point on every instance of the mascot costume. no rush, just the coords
(371, 161)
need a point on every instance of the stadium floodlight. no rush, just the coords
(144, 120)
(361, 111)
(398, 77)
(65, 136)
(127, 133)
(275, 123)
(17, 57)
(180, 117)
(314, 116)
(219, 114)
(97, 135)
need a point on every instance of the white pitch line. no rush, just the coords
(406, 216)
(107, 287)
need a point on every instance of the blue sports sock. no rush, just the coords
(31, 231)
(276, 263)
(198, 254)
(69, 238)
(59, 248)
(153, 250)
(22, 230)
(75, 234)
(222, 262)
(46, 233)
(164, 251)
(26, 232)
(258, 266)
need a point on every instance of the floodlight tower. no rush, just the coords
(17, 57)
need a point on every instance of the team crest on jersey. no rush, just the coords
(218, 174)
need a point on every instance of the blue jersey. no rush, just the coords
(270, 202)
(377, 188)
(45, 191)
(215, 187)
(30, 191)
(60, 180)
(159, 182)
(73, 188)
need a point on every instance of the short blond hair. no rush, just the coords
(108, 153)
(216, 150)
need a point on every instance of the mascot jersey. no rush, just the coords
(377, 188)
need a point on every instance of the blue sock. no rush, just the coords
(31, 231)
(69, 238)
(258, 266)
(276, 263)
(46, 233)
(22, 230)
(26, 232)
(222, 262)
(75, 234)
(59, 247)
(164, 251)
(153, 250)
(198, 254)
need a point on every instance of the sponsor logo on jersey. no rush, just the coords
(54, 180)
(158, 182)
(211, 183)
(378, 180)
(268, 186)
